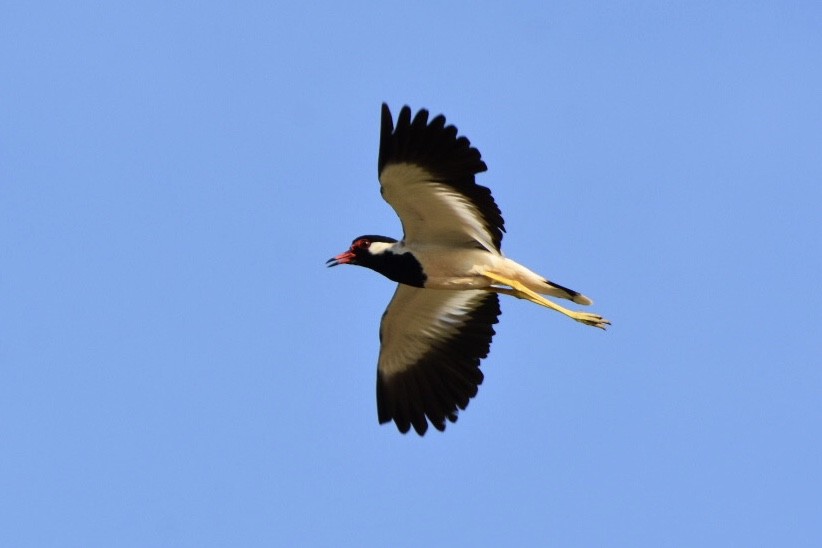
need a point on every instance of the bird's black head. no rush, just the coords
(379, 254)
(361, 250)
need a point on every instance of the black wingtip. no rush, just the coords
(386, 129)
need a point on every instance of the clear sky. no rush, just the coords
(178, 367)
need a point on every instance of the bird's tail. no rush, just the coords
(555, 290)
(536, 283)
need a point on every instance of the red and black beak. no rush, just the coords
(343, 258)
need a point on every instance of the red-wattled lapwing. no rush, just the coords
(449, 270)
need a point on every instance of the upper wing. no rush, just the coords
(427, 176)
(432, 342)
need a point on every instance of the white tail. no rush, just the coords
(538, 284)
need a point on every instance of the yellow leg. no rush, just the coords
(521, 292)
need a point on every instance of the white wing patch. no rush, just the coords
(432, 212)
(418, 319)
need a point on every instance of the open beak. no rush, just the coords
(342, 258)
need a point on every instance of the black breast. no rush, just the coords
(402, 268)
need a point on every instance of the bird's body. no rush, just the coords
(449, 267)
(449, 270)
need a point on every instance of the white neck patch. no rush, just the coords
(378, 248)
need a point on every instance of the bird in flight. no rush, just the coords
(449, 270)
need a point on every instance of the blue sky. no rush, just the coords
(178, 367)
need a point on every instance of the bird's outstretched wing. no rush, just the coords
(427, 176)
(432, 342)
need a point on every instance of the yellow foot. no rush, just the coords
(521, 292)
